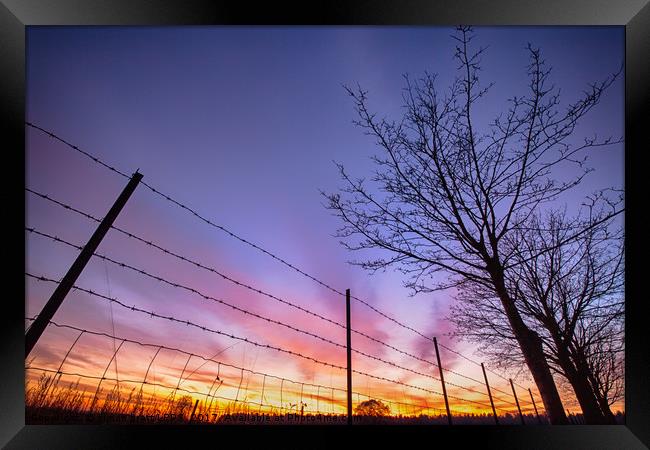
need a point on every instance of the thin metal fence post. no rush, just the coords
(487, 384)
(521, 416)
(442, 380)
(539, 419)
(349, 344)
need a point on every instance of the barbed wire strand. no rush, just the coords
(251, 288)
(209, 395)
(151, 383)
(279, 349)
(247, 242)
(252, 372)
(207, 329)
(239, 283)
(207, 297)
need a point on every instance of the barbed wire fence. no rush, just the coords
(425, 400)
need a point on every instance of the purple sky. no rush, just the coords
(243, 124)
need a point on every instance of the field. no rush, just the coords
(51, 402)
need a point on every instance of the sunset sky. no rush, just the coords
(244, 125)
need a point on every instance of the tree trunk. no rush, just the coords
(585, 395)
(583, 370)
(531, 347)
(604, 406)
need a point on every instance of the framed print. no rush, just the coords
(281, 224)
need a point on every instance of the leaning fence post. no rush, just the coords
(521, 416)
(34, 332)
(442, 380)
(487, 384)
(539, 419)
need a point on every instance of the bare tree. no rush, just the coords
(570, 292)
(448, 194)
(606, 367)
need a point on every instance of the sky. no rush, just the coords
(244, 124)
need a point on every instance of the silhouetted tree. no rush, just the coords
(448, 195)
(606, 366)
(373, 408)
(570, 293)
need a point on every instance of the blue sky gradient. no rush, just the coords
(243, 124)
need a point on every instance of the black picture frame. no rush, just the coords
(15, 15)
